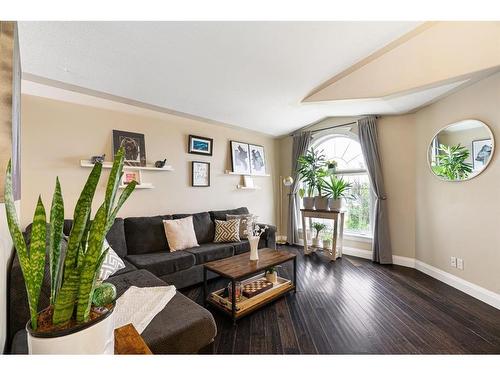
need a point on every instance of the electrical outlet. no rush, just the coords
(453, 262)
(460, 263)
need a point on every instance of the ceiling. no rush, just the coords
(248, 74)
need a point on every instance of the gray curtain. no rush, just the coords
(301, 143)
(368, 138)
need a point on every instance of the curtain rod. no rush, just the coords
(329, 127)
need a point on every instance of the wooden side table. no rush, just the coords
(338, 229)
(129, 341)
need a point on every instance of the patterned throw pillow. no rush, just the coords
(112, 262)
(227, 231)
(246, 224)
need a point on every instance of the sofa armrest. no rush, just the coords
(268, 238)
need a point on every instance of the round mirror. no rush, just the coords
(461, 151)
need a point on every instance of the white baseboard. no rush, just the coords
(476, 291)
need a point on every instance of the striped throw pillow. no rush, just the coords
(227, 231)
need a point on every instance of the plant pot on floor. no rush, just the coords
(316, 242)
(308, 203)
(321, 203)
(335, 204)
(94, 337)
(327, 244)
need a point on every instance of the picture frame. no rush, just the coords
(200, 145)
(481, 152)
(240, 157)
(200, 174)
(131, 175)
(134, 145)
(257, 160)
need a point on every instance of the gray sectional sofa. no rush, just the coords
(183, 326)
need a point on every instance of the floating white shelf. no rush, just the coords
(246, 174)
(248, 188)
(109, 165)
(141, 186)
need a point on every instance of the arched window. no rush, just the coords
(346, 151)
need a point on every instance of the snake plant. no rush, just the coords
(73, 278)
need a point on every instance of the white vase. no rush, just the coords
(321, 203)
(315, 242)
(254, 247)
(335, 204)
(308, 203)
(97, 338)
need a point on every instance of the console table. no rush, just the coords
(338, 229)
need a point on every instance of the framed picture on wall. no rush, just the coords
(257, 160)
(200, 174)
(129, 176)
(200, 145)
(481, 152)
(134, 145)
(240, 157)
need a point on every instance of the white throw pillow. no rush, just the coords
(180, 233)
(112, 262)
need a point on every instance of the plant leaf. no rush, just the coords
(114, 180)
(56, 233)
(65, 300)
(123, 197)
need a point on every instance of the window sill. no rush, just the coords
(358, 237)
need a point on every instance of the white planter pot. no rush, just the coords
(316, 242)
(272, 277)
(97, 338)
(336, 204)
(321, 203)
(327, 244)
(308, 203)
(254, 247)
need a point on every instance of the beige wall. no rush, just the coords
(460, 219)
(57, 134)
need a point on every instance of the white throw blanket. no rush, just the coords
(140, 305)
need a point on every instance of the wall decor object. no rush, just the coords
(131, 175)
(240, 157)
(97, 159)
(200, 174)
(160, 163)
(134, 145)
(461, 151)
(257, 160)
(200, 145)
(481, 153)
(248, 182)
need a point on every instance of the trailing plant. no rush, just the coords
(72, 277)
(309, 166)
(451, 164)
(318, 227)
(337, 188)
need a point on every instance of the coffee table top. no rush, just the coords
(240, 266)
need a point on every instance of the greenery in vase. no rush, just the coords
(309, 166)
(337, 188)
(451, 164)
(73, 277)
(318, 227)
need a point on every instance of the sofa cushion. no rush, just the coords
(163, 263)
(203, 226)
(129, 267)
(146, 234)
(211, 251)
(180, 233)
(240, 247)
(221, 215)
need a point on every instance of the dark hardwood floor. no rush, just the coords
(356, 306)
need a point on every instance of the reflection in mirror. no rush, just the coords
(461, 151)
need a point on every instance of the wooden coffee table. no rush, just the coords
(239, 268)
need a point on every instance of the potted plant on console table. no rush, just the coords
(309, 166)
(71, 324)
(337, 189)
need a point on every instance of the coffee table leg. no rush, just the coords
(205, 287)
(233, 300)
